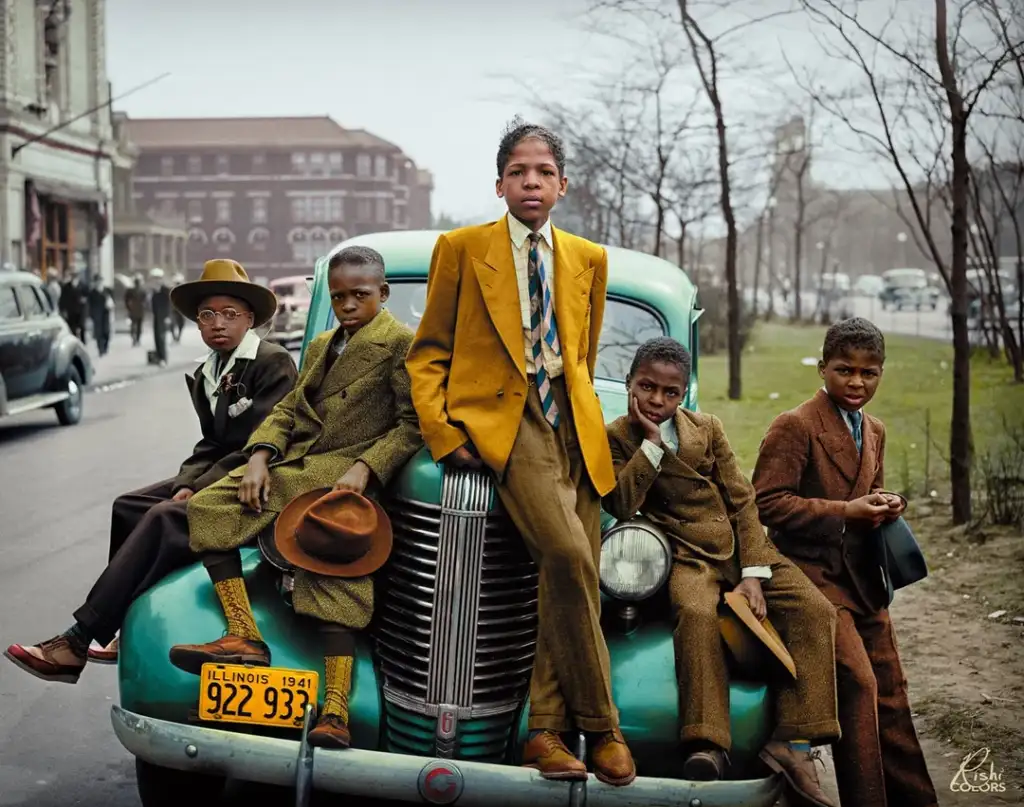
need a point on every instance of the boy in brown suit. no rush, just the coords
(502, 371)
(349, 423)
(677, 468)
(820, 491)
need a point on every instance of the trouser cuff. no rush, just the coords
(223, 566)
(824, 732)
(706, 732)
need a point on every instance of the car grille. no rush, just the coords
(457, 623)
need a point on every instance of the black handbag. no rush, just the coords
(899, 556)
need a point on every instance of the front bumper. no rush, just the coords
(379, 775)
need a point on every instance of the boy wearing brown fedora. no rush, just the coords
(676, 467)
(234, 389)
(348, 424)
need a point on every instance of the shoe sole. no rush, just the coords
(192, 662)
(329, 742)
(102, 660)
(60, 678)
(560, 776)
(622, 781)
(798, 798)
(703, 770)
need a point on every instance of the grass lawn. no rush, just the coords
(917, 385)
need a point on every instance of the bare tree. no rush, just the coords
(960, 71)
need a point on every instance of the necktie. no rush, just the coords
(856, 420)
(542, 326)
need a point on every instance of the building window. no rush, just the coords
(223, 164)
(223, 211)
(335, 208)
(195, 210)
(383, 210)
(336, 162)
(258, 239)
(363, 165)
(380, 165)
(195, 165)
(259, 210)
(318, 208)
(299, 209)
(336, 235)
(300, 245)
(167, 209)
(399, 215)
(223, 239)
(299, 163)
(167, 166)
(197, 236)
(364, 210)
(317, 162)
(259, 160)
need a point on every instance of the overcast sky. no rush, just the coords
(428, 76)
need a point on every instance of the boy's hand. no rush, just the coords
(873, 509)
(183, 495)
(651, 430)
(355, 479)
(464, 457)
(254, 488)
(750, 587)
(897, 506)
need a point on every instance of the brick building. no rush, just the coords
(273, 193)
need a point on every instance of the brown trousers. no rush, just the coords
(549, 497)
(131, 508)
(878, 761)
(804, 708)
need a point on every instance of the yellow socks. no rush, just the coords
(337, 684)
(234, 599)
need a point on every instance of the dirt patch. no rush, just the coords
(966, 670)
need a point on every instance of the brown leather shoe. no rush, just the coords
(104, 655)
(226, 650)
(330, 732)
(613, 764)
(53, 660)
(706, 765)
(798, 769)
(547, 753)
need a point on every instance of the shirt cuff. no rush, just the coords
(654, 453)
(762, 572)
(272, 449)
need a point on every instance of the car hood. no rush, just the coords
(613, 398)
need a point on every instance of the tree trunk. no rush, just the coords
(758, 249)
(681, 245)
(798, 247)
(732, 290)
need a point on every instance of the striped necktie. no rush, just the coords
(856, 421)
(542, 326)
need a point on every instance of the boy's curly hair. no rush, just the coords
(663, 349)
(516, 131)
(855, 333)
(358, 256)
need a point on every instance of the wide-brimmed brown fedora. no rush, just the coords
(336, 533)
(755, 645)
(223, 276)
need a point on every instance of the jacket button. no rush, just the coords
(501, 393)
(344, 393)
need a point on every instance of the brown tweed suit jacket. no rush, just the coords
(807, 468)
(700, 498)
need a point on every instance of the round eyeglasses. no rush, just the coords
(208, 317)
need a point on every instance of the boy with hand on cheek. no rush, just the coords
(350, 413)
(676, 467)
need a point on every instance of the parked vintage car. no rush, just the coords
(42, 364)
(438, 706)
(293, 297)
(908, 288)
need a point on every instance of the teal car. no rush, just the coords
(439, 696)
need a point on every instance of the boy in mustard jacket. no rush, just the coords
(502, 373)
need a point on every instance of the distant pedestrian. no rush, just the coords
(177, 319)
(53, 286)
(161, 306)
(135, 303)
(72, 304)
(101, 309)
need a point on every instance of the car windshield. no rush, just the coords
(907, 280)
(627, 325)
(290, 290)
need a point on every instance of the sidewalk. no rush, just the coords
(124, 363)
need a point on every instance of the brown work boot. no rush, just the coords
(547, 753)
(53, 660)
(613, 764)
(104, 655)
(705, 765)
(330, 732)
(226, 650)
(798, 769)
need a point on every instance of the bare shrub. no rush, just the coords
(1002, 472)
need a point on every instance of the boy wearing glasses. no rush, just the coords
(237, 386)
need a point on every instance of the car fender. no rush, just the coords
(68, 351)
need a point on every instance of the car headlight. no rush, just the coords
(635, 560)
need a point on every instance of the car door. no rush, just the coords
(39, 337)
(12, 342)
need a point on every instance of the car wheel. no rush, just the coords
(166, 787)
(69, 411)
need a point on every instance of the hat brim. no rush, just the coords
(186, 297)
(288, 547)
(268, 549)
(737, 622)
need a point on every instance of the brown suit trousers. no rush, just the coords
(550, 499)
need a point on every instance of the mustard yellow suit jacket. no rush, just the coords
(467, 361)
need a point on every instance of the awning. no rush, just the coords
(136, 225)
(68, 192)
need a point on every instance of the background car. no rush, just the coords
(42, 364)
(293, 298)
(869, 286)
(908, 288)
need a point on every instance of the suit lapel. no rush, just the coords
(363, 352)
(499, 286)
(228, 397)
(573, 279)
(672, 462)
(836, 439)
(871, 442)
(197, 391)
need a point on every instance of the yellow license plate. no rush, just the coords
(264, 696)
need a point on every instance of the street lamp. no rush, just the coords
(902, 238)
